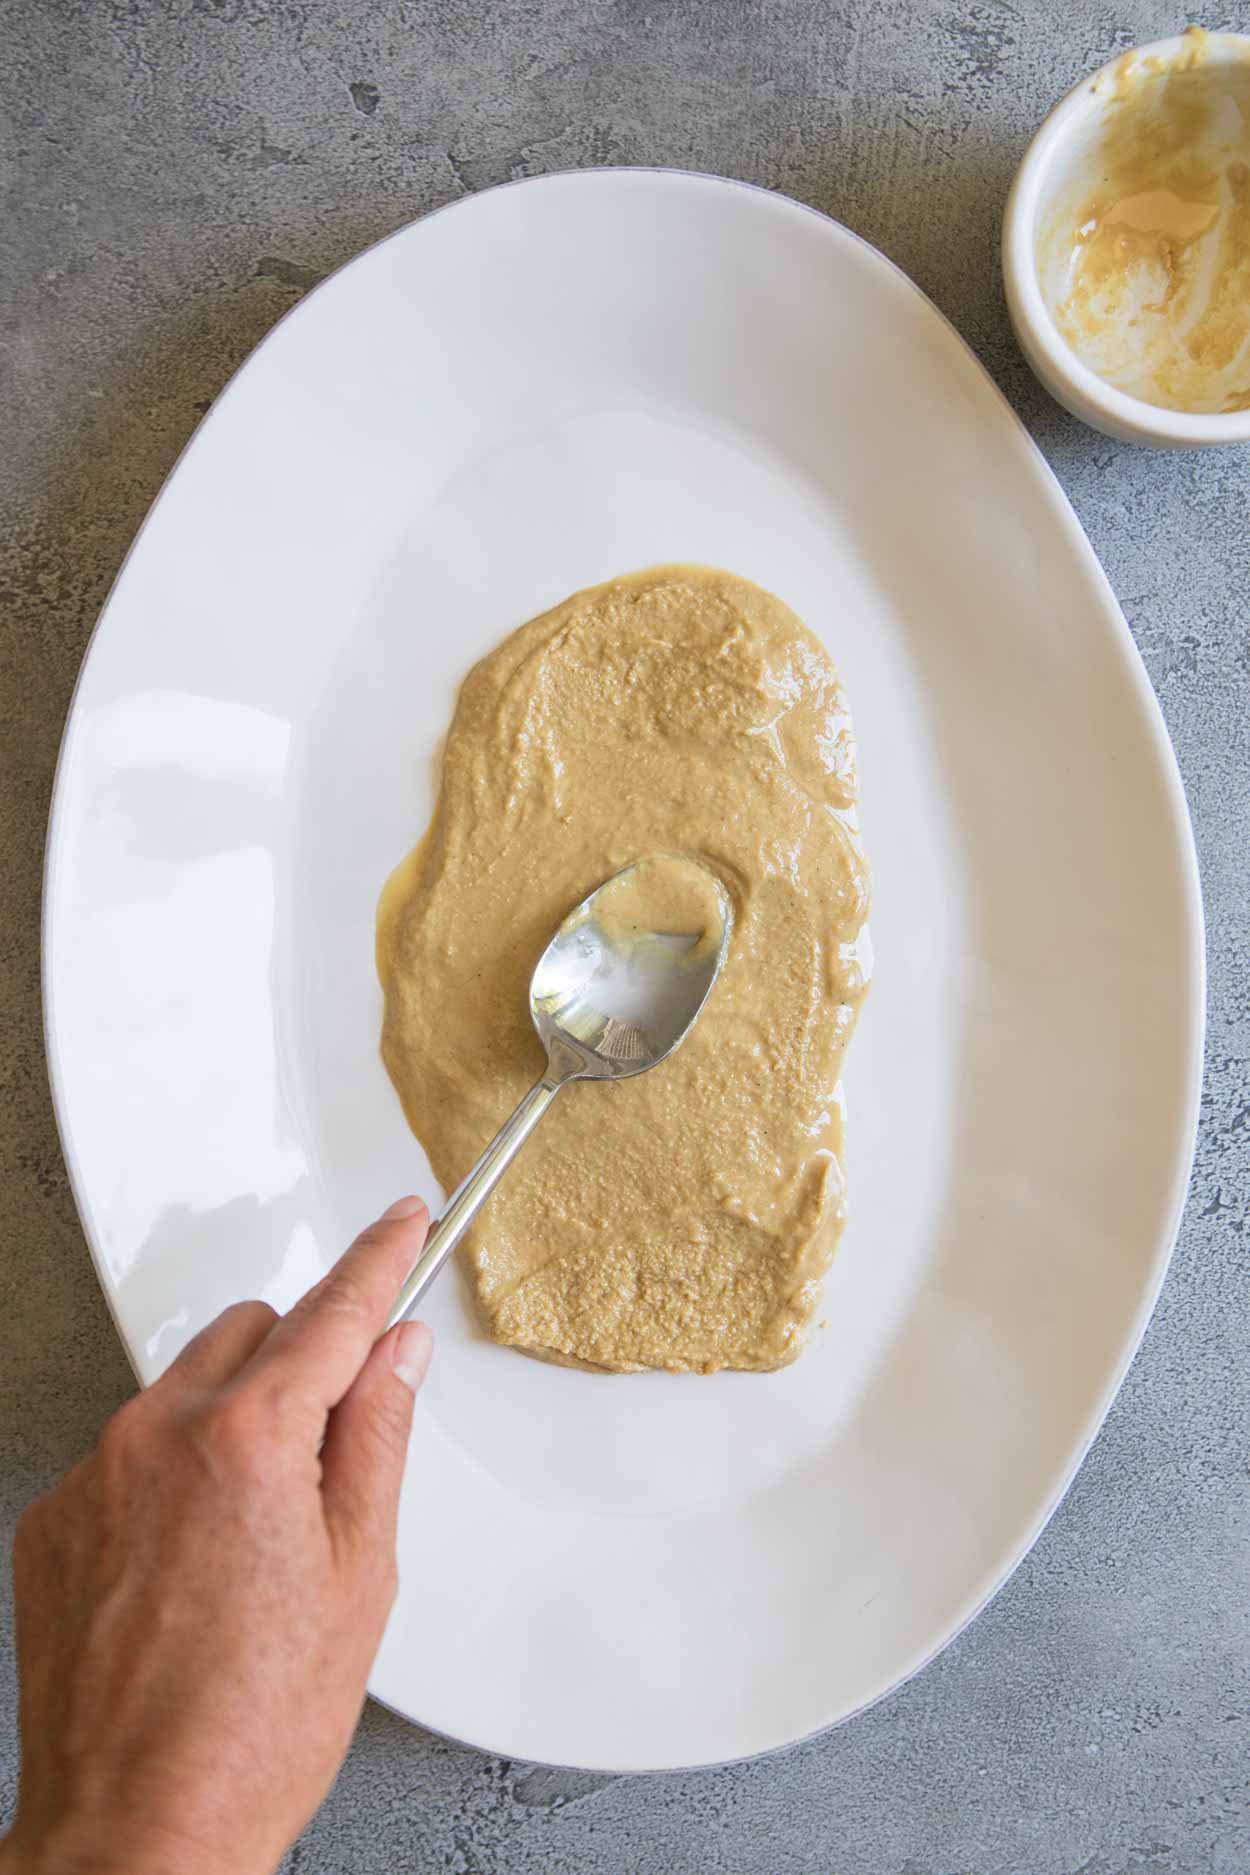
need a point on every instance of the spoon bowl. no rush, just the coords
(620, 983)
(613, 994)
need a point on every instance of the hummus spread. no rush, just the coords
(1156, 297)
(683, 1218)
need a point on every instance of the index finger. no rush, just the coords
(323, 1342)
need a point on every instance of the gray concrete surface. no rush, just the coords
(175, 176)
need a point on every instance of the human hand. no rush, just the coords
(200, 1601)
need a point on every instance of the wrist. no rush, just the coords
(66, 1850)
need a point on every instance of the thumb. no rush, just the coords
(362, 1461)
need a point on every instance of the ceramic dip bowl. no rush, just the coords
(1126, 246)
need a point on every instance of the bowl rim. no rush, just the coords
(1125, 413)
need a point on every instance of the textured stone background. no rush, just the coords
(175, 177)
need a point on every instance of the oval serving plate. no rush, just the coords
(546, 385)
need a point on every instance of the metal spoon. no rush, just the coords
(613, 994)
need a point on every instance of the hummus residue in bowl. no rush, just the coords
(1144, 251)
(683, 1219)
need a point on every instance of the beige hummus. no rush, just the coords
(1157, 289)
(682, 1219)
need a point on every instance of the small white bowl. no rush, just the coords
(1070, 133)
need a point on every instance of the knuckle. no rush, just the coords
(275, 1412)
(385, 1419)
(372, 1236)
(258, 1315)
(125, 1433)
(234, 1434)
(341, 1296)
(347, 1294)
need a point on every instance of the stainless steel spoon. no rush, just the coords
(613, 994)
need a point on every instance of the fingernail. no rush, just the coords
(402, 1208)
(410, 1356)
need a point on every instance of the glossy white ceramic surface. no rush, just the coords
(543, 386)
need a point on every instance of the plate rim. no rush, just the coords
(1194, 1001)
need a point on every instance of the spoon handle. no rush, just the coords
(471, 1194)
